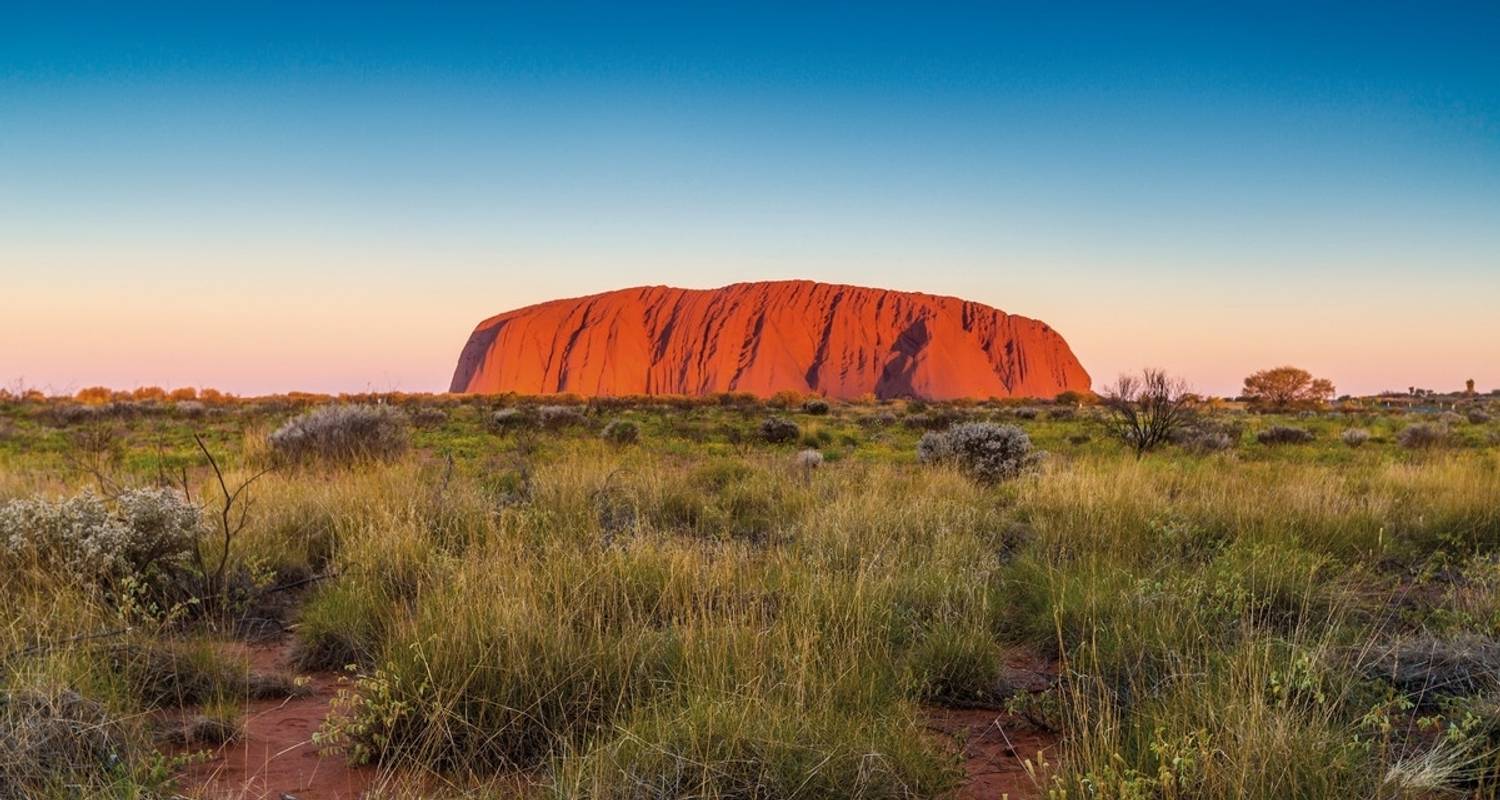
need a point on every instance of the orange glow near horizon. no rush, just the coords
(402, 331)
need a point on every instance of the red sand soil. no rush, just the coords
(995, 747)
(275, 757)
(844, 342)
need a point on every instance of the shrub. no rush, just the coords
(559, 417)
(58, 738)
(934, 420)
(341, 434)
(815, 406)
(1209, 435)
(621, 432)
(779, 430)
(1026, 412)
(429, 417)
(1448, 419)
(809, 459)
(1149, 410)
(192, 409)
(784, 399)
(1478, 416)
(982, 450)
(1284, 434)
(1422, 436)
(1209, 442)
(74, 413)
(1355, 437)
(148, 536)
(509, 419)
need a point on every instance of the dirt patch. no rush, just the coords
(274, 756)
(995, 747)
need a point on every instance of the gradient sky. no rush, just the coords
(264, 197)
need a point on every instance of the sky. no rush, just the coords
(263, 197)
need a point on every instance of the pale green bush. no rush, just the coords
(342, 435)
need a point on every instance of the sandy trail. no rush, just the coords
(275, 756)
(995, 749)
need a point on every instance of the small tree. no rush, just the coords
(1148, 410)
(1469, 387)
(1287, 387)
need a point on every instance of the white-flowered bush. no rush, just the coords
(982, 450)
(144, 535)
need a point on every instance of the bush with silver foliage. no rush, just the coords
(985, 451)
(145, 535)
(341, 434)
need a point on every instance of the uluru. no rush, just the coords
(838, 341)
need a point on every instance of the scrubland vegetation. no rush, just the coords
(730, 599)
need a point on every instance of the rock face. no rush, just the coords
(839, 341)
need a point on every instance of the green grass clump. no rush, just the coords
(733, 747)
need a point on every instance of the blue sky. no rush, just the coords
(328, 196)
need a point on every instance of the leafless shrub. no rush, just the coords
(1147, 411)
(1355, 437)
(96, 450)
(216, 578)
